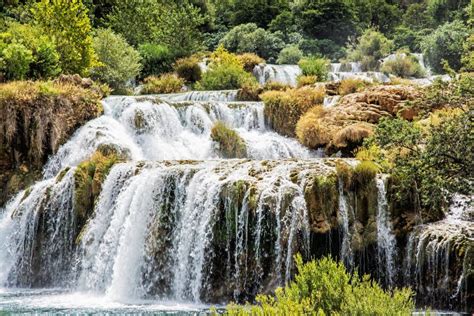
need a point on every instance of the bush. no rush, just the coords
(290, 55)
(67, 22)
(188, 68)
(156, 59)
(249, 61)
(303, 80)
(309, 130)
(231, 145)
(166, 83)
(276, 86)
(45, 58)
(445, 43)
(225, 72)
(404, 66)
(322, 47)
(283, 109)
(371, 46)
(249, 91)
(249, 38)
(315, 66)
(468, 55)
(324, 287)
(119, 62)
(352, 85)
(16, 61)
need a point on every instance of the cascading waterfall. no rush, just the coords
(346, 254)
(386, 242)
(285, 74)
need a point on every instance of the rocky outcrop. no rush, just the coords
(344, 126)
(35, 119)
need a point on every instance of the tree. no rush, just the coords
(118, 61)
(249, 38)
(371, 46)
(445, 43)
(332, 19)
(260, 12)
(174, 24)
(67, 22)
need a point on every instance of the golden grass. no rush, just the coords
(165, 83)
(311, 130)
(303, 80)
(250, 60)
(352, 85)
(352, 134)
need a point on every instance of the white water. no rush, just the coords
(386, 242)
(285, 74)
(346, 254)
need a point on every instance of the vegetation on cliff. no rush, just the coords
(230, 144)
(324, 287)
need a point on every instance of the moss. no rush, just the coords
(321, 197)
(364, 173)
(283, 109)
(88, 177)
(231, 145)
(61, 174)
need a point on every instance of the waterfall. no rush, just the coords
(386, 242)
(439, 255)
(285, 74)
(330, 101)
(346, 254)
(203, 96)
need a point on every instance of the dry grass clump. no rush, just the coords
(311, 130)
(165, 83)
(188, 68)
(303, 80)
(250, 60)
(276, 86)
(352, 85)
(37, 117)
(231, 145)
(249, 91)
(283, 109)
(353, 134)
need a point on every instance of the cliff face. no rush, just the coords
(35, 119)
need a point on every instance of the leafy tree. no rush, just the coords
(249, 38)
(67, 22)
(380, 14)
(444, 10)
(445, 43)
(260, 12)
(371, 46)
(332, 19)
(290, 55)
(15, 61)
(156, 59)
(284, 23)
(45, 58)
(324, 47)
(174, 24)
(118, 61)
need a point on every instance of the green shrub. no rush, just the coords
(119, 62)
(404, 66)
(322, 47)
(166, 83)
(303, 80)
(283, 109)
(371, 46)
(16, 61)
(67, 22)
(45, 63)
(249, 61)
(315, 66)
(225, 72)
(468, 56)
(324, 287)
(156, 59)
(290, 55)
(188, 68)
(231, 145)
(445, 43)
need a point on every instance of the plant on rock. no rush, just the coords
(250, 60)
(404, 66)
(166, 83)
(188, 68)
(315, 66)
(371, 46)
(231, 145)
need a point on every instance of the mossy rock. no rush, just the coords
(231, 145)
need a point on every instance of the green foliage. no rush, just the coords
(165, 83)
(259, 12)
(289, 55)
(231, 145)
(225, 72)
(174, 24)
(323, 47)
(15, 62)
(156, 59)
(324, 287)
(370, 47)
(45, 58)
(404, 66)
(467, 58)
(118, 61)
(315, 66)
(67, 23)
(188, 68)
(406, 37)
(249, 38)
(445, 43)
(332, 19)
